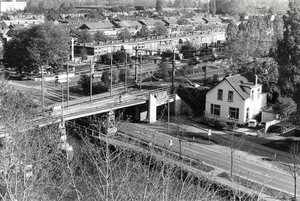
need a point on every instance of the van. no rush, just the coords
(252, 123)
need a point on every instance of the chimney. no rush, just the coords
(256, 80)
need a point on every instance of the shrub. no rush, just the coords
(217, 123)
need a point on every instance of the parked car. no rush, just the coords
(252, 123)
(261, 125)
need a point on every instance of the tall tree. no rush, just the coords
(250, 39)
(160, 29)
(124, 35)
(121, 56)
(182, 21)
(84, 37)
(100, 36)
(178, 4)
(232, 7)
(187, 49)
(288, 54)
(33, 47)
(284, 107)
(294, 4)
(164, 71)
(212, 7)
(143, 32)
(159, 5)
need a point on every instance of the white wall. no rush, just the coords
(212, 96)
(253, 105)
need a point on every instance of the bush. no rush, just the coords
(217, 123)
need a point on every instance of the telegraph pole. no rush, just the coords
(111, 60)
(125, 70)
(141, 75)
(173, 72)
(62, 103)
(72, 51)
(136, 64)
(91, 81)
(43, 94)
(68, 85)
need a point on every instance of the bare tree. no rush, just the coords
(234, 144)
(294, 167)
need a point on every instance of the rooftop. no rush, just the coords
(243, 83)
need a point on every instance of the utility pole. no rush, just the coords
(62, 103)
(111, 60)
(204, 68)
(72, 51)
(141, 75)
(173, 72)
(68, 85)
(168, 115)
(136, 64)
(91, 81)
(125, 70)
(180, 140)
(43, 95)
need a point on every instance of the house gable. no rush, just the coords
(239, 93)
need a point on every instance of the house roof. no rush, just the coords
(150, 22)
(196, 20)
(23, 22)
(242, 83)
(127, 23)
(171, 20)
(97, 25)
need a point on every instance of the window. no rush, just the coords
(230, 96)
(252, 95)
(215, 109)
(247, 113)
(258, 93)
(220, 94)
(233, 113)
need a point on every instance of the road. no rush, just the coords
(260, 172)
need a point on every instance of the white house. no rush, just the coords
(236, 98)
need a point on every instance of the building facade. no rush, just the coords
(236, 99)
(152, 45)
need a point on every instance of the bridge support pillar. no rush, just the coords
(140, 113)
(177, 104)
(152, 109)
(64, 145)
